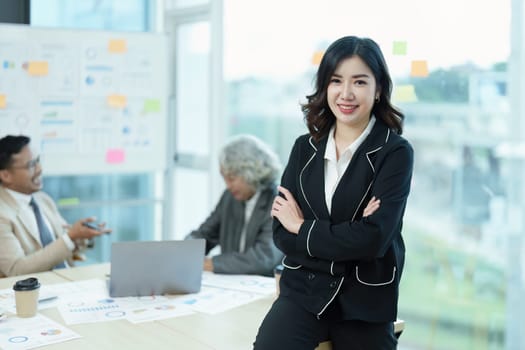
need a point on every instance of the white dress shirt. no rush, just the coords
(335, 168)
(248, 211)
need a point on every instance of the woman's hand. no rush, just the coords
(371, 207)
(287, 211)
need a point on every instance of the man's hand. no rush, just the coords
(79, 231)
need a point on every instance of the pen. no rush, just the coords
(53, 297)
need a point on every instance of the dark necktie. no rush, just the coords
(45, 234)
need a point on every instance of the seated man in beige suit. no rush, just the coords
(33, 235)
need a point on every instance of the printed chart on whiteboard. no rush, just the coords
(92, 101)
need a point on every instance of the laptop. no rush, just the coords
(145, 268)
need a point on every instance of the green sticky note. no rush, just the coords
(399, 48)
(152, 106)
(68, 201)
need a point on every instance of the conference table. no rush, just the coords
(233, 329)
(229, 330)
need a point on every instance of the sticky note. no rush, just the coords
(115, 156)
(399, 48)
(68, 201)
(317, 57)
(50, 135)
(38, 68)
(404, 93)
(117, 46)
(152, 106)
(419, 69)
(3, 101)
(117, 101)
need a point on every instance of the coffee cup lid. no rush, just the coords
(27, 284)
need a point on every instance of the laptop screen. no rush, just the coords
(145, 268)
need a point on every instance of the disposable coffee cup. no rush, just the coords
(277, 274)
(26, 297)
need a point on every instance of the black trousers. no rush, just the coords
(288, 326)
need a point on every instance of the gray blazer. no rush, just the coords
(20, 249)
(223, 227)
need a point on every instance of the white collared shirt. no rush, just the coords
(333, 168)
(248, 211)
(23, 202)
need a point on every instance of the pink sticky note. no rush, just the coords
(115, 156)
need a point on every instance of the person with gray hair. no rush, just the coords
(241, 223)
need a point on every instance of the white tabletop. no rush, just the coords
(229, 330)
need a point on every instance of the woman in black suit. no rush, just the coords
(339, 214)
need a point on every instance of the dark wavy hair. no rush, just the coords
(317, 114)
(10, 145)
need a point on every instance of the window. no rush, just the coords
(121, 15)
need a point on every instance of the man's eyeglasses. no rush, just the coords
(31, 165)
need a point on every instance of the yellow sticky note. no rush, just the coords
(404, 93)
(152, 106)
(38, 68)
(117, 46)
(3, 101)
(117, 101)
(419, 69)
(317, 57)
(399, 48)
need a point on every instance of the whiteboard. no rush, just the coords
(91, 101)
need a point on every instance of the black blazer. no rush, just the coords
(224, 226)
(341, 257)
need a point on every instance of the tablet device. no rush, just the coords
(145, 268)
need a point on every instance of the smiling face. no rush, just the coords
(24, 174)
(351, 93)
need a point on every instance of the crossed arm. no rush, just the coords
(288, 212)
